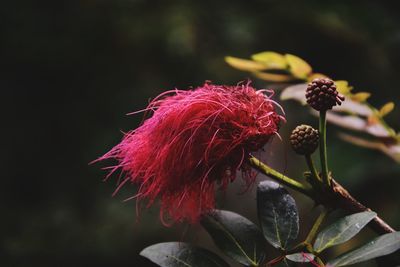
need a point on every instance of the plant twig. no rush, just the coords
(334, 197)
(312, 168)
(317, 224)
(345, 201)
(265, 169)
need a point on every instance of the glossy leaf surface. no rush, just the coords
(380, 246)
(236, 236)
(177, 254)
(278, 214)
(342, 230)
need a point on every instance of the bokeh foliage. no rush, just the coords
(70, 70)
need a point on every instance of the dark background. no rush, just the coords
(71, 70)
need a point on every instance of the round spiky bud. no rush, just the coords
(322, 95)
(304, 139)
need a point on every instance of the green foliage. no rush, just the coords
(264, 64)
(356, 114)
(271, 59)
(278, 214)
(242, 241)
(247, 65)
(343, 230)
(386, 109)
(236, 236)
(380, 246)
(298, 67)
(176, 254)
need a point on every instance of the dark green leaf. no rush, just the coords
(342, 230)
(278, 214)
(177, 254)
(378, 247)
(236, 236)
(300, 257)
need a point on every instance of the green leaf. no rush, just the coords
(245, 64)
(236, 236)
(300, 257)
(298, 67)
(380, 246)
(342, 230)
(177, 254)
(278, 214)
(272, 59)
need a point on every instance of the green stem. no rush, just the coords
(265, 169)
(317, 224)
(322, 147)
(312, 168)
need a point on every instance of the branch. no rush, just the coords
(345, 201)
(317, 225)
(335, 196)
(279, 177)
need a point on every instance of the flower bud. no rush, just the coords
(304, 139)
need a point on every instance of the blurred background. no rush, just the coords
(72, 70)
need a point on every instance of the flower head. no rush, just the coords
(322, 94)
(193, 141)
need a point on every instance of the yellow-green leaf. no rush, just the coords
(343, 87)
(298, 67)
(272, 77)
(360, 97)
(272, 59)
(386, 109)
(244, 64)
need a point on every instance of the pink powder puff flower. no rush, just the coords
(195, 140)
